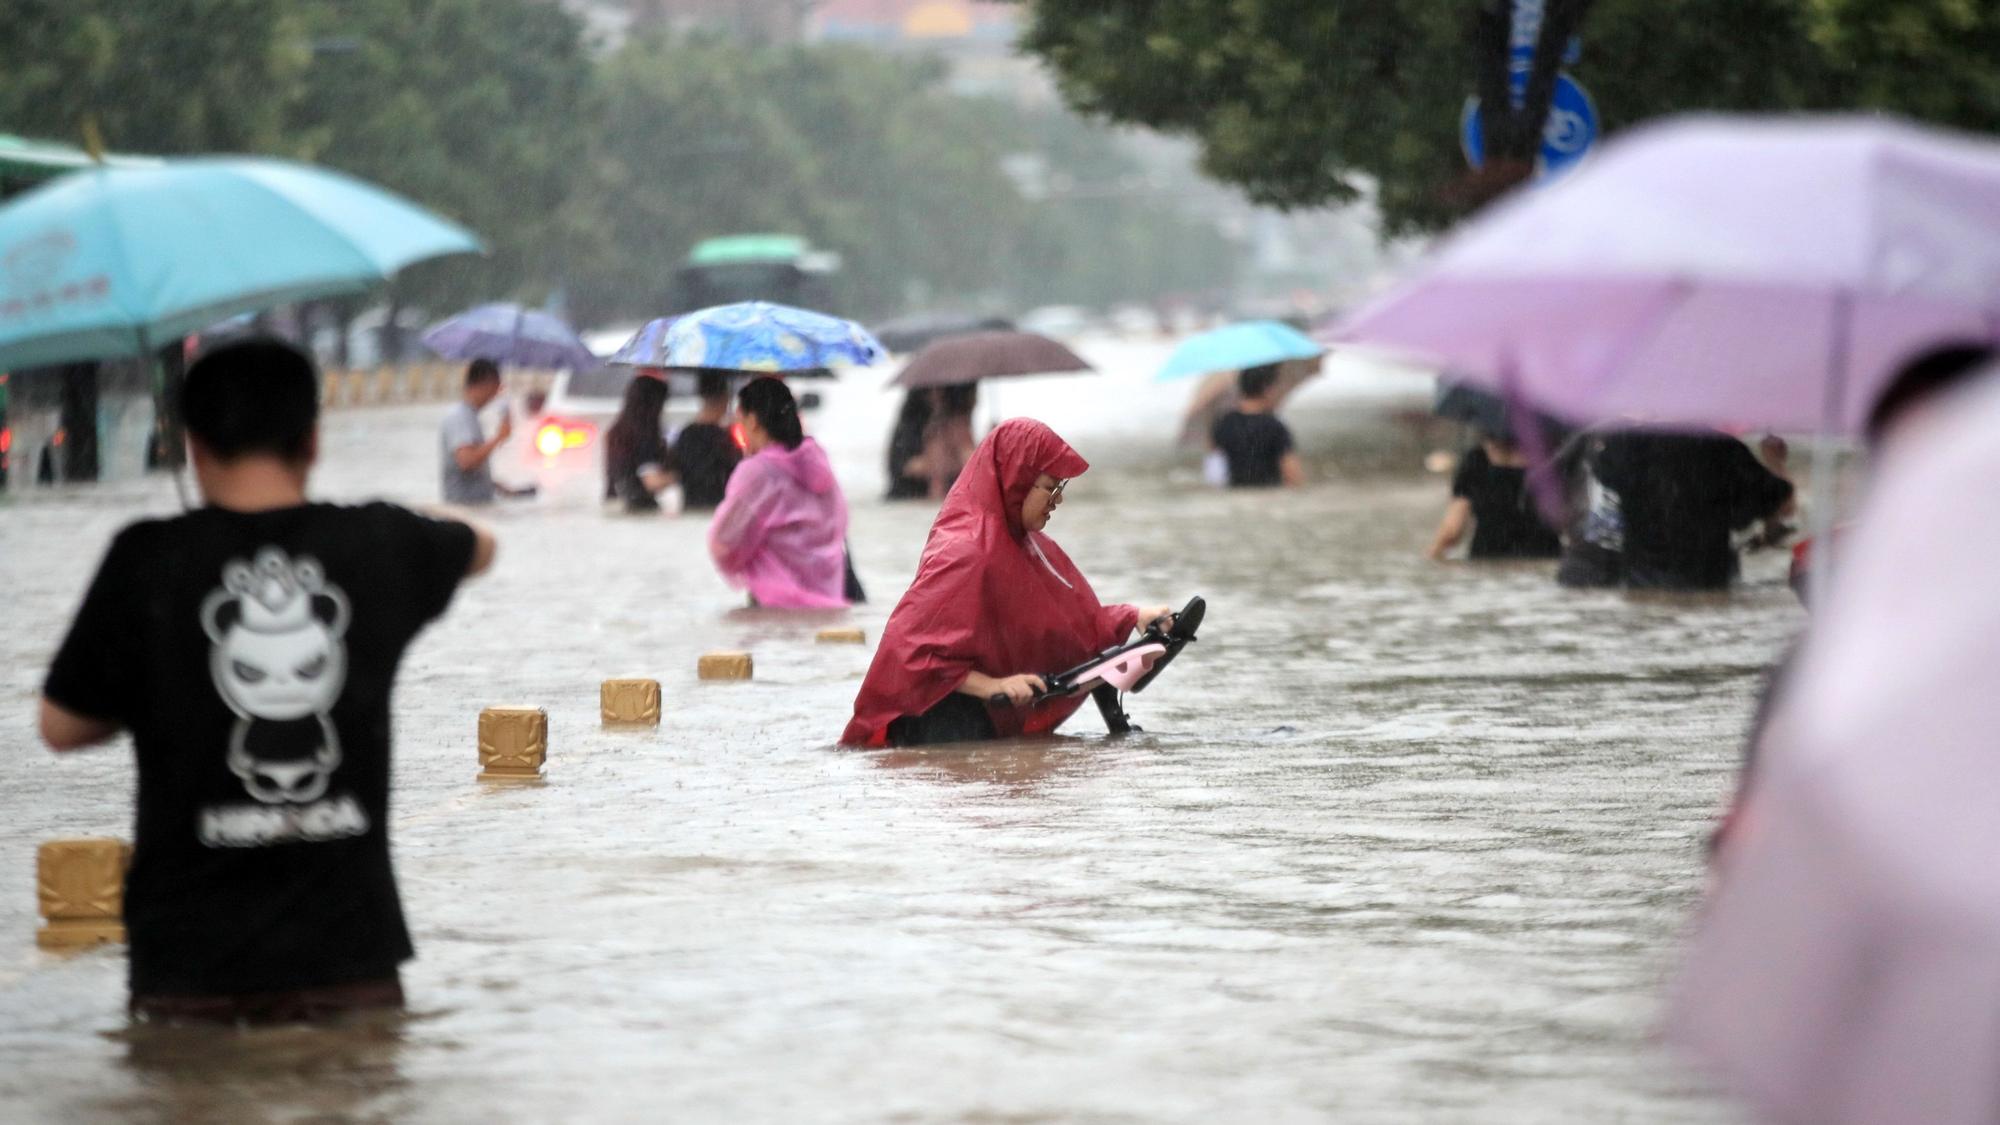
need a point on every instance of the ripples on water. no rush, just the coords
(1402, 842)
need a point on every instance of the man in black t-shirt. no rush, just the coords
(250, 647)
(705, 450)
(1257, 447)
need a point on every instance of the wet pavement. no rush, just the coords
(1401, 842)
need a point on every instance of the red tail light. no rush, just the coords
(557, 435)
(736, 435)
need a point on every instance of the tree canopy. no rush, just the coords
(1306, 102)
(595, 175)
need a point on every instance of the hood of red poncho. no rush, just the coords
(989, 595)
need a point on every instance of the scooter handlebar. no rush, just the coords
(1001, 699)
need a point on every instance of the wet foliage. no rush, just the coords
(1303, 102)
(594, 173)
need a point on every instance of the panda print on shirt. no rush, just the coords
(278, 659)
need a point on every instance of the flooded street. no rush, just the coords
(1401, 842)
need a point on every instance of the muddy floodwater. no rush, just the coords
(1400, 842)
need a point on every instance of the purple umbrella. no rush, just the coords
(1761, 272)
(510, 335)
(1847, 967)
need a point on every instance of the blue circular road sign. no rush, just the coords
(1570, 132)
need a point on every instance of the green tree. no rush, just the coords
(1310, 102)
(476, 108)
(866, 154)
(167, 76)
(1932, 59)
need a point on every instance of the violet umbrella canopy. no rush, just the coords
(988, 355)
(510, 335)
(1846, 967)
(1758, 272)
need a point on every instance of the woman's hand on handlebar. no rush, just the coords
(1149, 614)
(1020, 690)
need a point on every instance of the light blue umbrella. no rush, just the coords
(755, 336)
(115, 261)
(511, 335)
(1237, 346)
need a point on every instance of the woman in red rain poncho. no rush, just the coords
(995, 602)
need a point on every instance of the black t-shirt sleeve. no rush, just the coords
(1757, 492)
(95, 669)
(434, 553)
(1471, 470)
(1281, 437)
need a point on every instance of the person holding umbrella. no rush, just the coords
(948, 438)
(1256, 447)
(769, 340)
(467, 471)
(1248, 446)
(948, 372)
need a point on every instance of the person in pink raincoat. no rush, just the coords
(781, 530)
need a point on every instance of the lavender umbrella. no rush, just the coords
(510, 335)
(1846, 967)
(1766, 272)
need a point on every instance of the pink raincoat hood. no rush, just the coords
(781, 529)
(808, 464)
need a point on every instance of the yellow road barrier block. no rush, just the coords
(725, 666)
(81, 886)
(630, 703)
(513, 743)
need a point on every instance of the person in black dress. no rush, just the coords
(1489, 498)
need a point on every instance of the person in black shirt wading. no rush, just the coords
(705, 450)
(1489, 497)
(1257, 447)
(250, 646)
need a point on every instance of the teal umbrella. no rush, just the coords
(116, 261)
(1237, 346)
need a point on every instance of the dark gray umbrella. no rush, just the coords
(988, 355)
